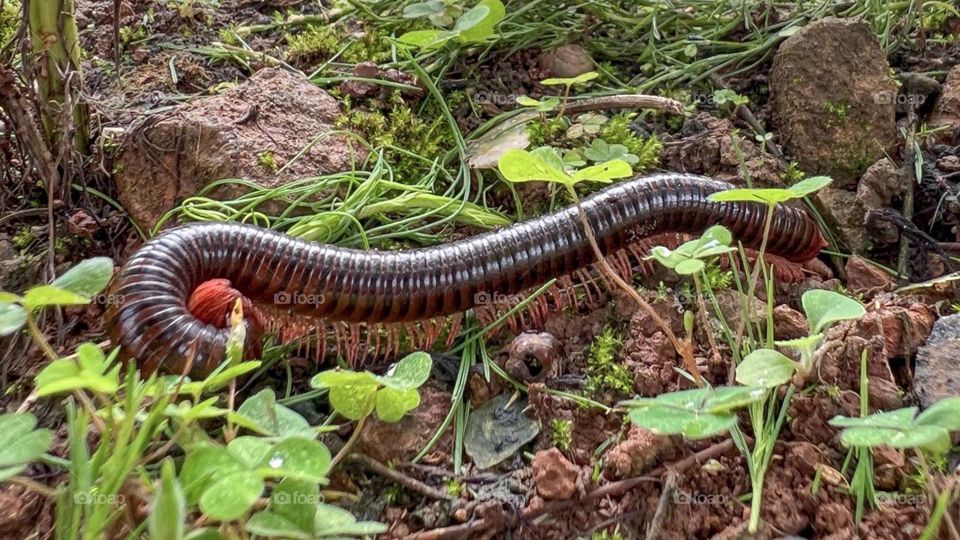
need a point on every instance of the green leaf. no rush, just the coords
(810, 185)
(426, 39)
(690, 424)
(944, 413)
(765, 196)
(689, 267)
(824, 308)
(51, 295)
(392, 404)
(270, 524)
(20, 443)
(353, 402)
(765, 368)
(521, 166)
(91, 371)
(169, 508)
(9, 298)
(250, 451)
(297, 458)
(475, 31)
(471, 18)
(296, 501)
(772, 196)
(898, 419)
(423, 9)
(87, 278)
(203, 465)
(604, 172)
(263, 414)
(570, 81)
(410, 372)
(330, 520)
(206, 533)
(232, 495)
(695, 414)
(187, 412)
(12, 318)
(932, 438)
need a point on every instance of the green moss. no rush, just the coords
(321, 42)
(267, 160)
(618, 131)
(561, 433)
(393, 124)
(603, 371)
(9, 20)
(547, 132)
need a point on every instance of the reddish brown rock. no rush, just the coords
(401, 441)
(905, 329)
(804, 456)
(789, 323)
(865, 278)
(946, 110)
(554, 475)
(641, 450)
(833, 98)
(888, 467)
(171, 157)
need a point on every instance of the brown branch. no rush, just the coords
(397, 477)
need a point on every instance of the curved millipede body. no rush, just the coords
(153, 323)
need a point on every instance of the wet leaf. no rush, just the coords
(765, 368)
(297, 458)
(410, 372)
(392, 404)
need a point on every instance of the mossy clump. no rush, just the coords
(9, 21)
(604, 374)
(319, 43)
(391, 124)
(561, 433)
(618, 131)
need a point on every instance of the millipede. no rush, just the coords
(175, 293)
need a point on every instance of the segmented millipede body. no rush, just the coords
(158, 322)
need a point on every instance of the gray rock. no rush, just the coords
(937, 374)
(833, 98)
